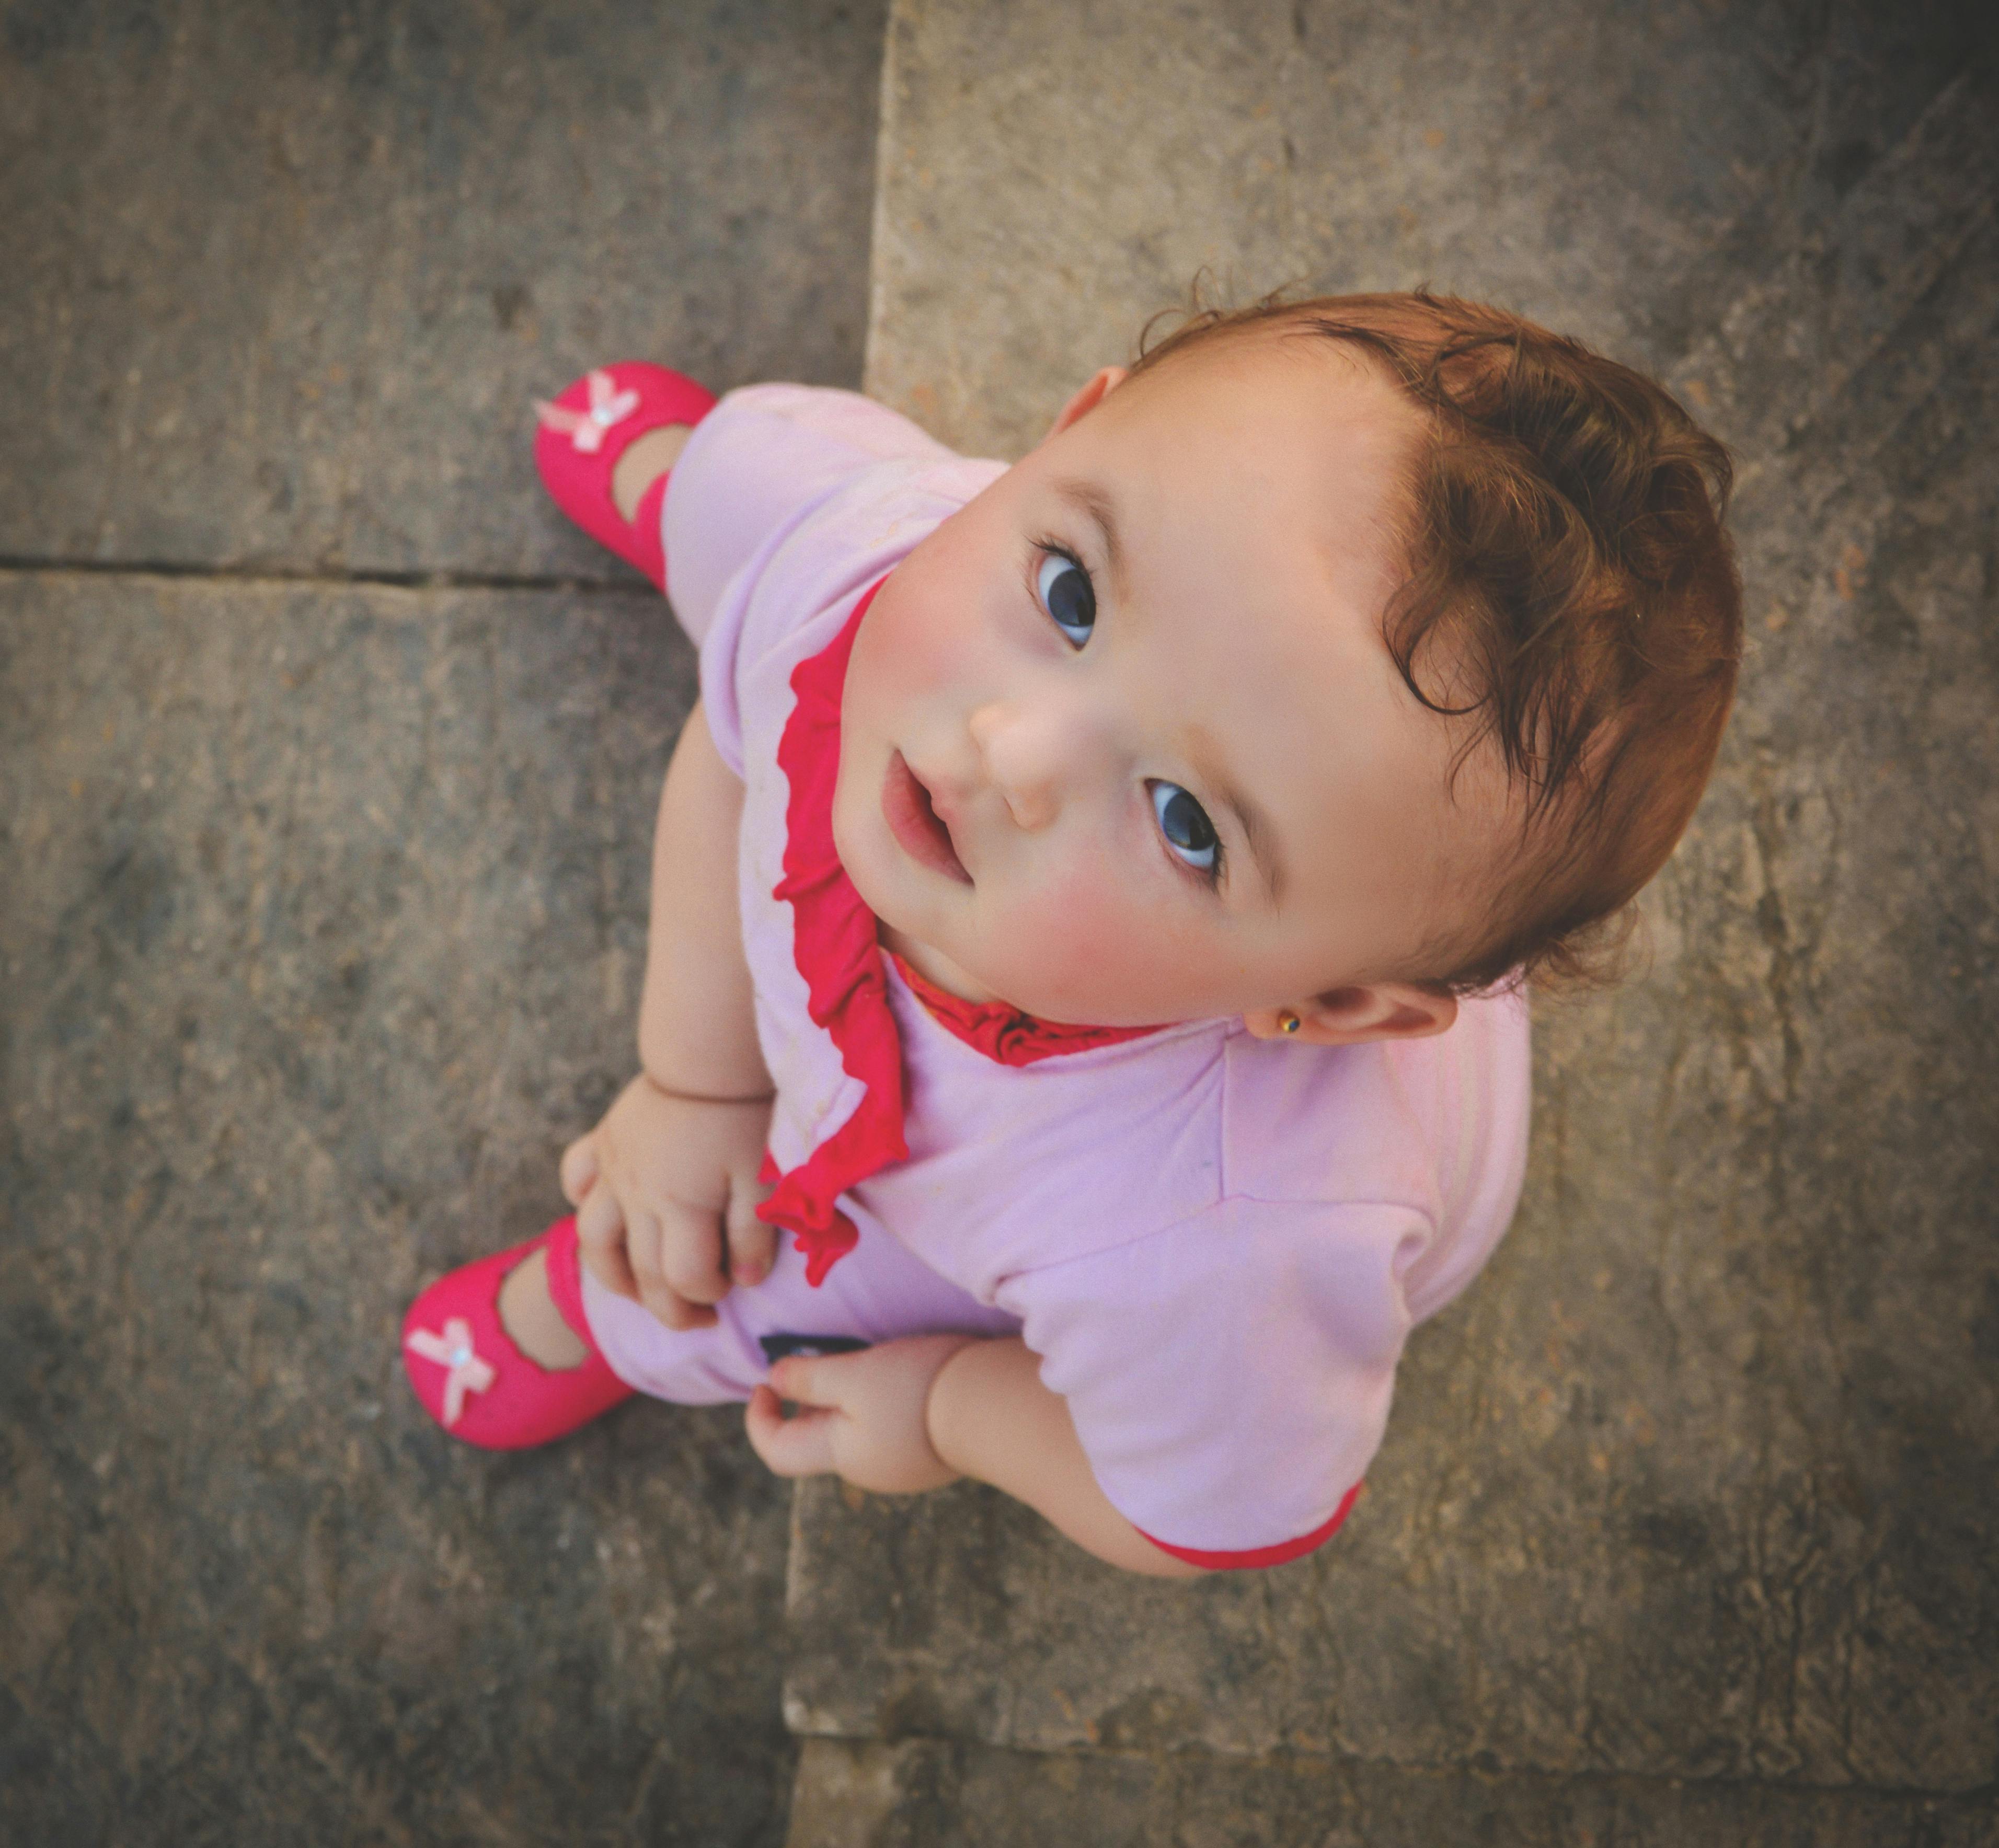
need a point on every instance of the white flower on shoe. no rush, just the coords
(453, 1350)
(586, 428)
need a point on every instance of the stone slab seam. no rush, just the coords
(19, 566)
(1973, 1800)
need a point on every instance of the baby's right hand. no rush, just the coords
(666, 1193)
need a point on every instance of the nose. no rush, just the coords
(1033, 753)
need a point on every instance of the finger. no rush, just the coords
(678, 1314)
(600, 1231)
(800, 1446)
(813, 1380)
(649, 1245)
(691, 1253)
(578, 1170)
(752, 1245)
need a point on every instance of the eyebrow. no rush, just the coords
(1254, 824)
(1097, 501)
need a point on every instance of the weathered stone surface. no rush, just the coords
(947, 1794)
(1699, 1481)
(320, 931)
(282, 278)
(1047, 183)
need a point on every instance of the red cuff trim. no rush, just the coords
(1281, 1554)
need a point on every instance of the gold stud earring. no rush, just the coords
(1287, 1022)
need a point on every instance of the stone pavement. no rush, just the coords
(323, 908)
(323, 795)
(283, 272)
(1684, 1527)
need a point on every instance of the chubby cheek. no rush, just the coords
(1089, 949)
(920, 634)
(898, 660)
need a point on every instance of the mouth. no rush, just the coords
(916, 826)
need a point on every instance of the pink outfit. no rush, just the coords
(1218, 1245)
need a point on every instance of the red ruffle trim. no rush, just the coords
(833, 938)
(1283, 1553)
(834, 945)
(1001, 1032)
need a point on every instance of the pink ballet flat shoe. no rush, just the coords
(585, 431)
(470, 1377)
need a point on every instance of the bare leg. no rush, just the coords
(528, 1314)
(649, 458)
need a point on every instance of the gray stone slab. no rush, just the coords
(1048, 184)
(1699, 1481)
(321, 931)
(282, 278)
(948, 1794)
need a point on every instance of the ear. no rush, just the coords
(1092, 395)
(1374, 1010)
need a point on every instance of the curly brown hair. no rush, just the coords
(1567, 571)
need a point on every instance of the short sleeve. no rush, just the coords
(758, 467)
(1230, 1377)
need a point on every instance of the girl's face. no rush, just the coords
(1121, 742)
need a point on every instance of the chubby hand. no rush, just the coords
(666, 1193)
(863, 1416)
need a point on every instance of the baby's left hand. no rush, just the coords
(863, 1416)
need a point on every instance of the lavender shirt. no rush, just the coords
(1217, 1245)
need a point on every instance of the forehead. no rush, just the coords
(1257, 490)
(1269, 443)
(1277, 375)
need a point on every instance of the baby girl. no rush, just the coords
(1083, 1028)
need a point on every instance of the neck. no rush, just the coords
(934, 966)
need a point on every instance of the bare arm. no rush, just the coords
(665, 1186)
(697, 1024)
(990, 1418)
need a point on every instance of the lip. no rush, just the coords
(919, 829)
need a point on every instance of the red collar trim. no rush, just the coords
(834, 946)
(1001, 1031)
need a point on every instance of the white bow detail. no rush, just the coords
(585, 429)
(453, 1349)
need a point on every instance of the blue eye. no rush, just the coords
(1185, 824)
(1068, 596)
